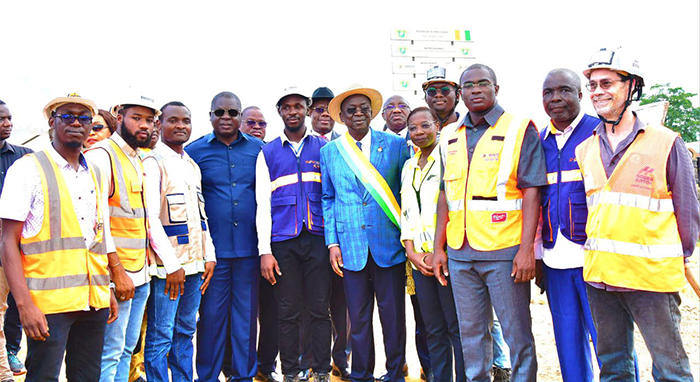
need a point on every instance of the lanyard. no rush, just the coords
(420, 185)
(297, 151)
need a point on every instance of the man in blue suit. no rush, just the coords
(360, 174)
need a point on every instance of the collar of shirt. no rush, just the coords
(553, 130)
(167, 152)
(400, 133)
(7, 147)
(241, 135)
(284, 138)
(128, 150)
(413, 161)
(491, 117)
(366, 143)
(61, 162)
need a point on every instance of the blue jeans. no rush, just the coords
(658, 318)
(500, 347)
(171, 326)
(121, 337)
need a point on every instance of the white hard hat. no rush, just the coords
(136, 99)
(437, 74)
(617, 60)
(293, 90)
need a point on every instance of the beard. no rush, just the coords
(73, 144)
(295, 128)
(132, 140)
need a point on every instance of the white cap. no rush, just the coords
(293, 90)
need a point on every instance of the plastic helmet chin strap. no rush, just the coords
(637, 89)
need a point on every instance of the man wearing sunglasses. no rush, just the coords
(254, 122)
(56, 240)
(119, 158)
(226, 157)
(395, 113)
(488, 211)
(321, 122)
(442, 96)
(642, 224)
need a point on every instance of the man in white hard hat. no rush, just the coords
(119, 157)
(642, 223)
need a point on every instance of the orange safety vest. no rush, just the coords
(62, 273)
(127, 210)
(633, 240)
(488, 186)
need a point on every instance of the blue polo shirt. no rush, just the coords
(228, 185)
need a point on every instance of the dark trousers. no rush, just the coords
(361, 287)
(268, 336)
(304, 283)
(13, 326)
(441, 328)
(77, 335)
(421, 337)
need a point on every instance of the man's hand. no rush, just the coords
(123, 286)
(175, 284)
(206, 276)
(113, 308)
(524, 264)
(336, 260)
(440, 267)
(34, 322)
(268, 268)
(423, 267)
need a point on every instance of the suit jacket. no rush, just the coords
(353, 219)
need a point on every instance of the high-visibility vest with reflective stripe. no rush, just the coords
(487, 185)
(181, 213)
(564, 208)
(295, 200)
(127, 209)
(62, 273)
(633, 240)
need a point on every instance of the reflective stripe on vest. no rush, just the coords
(566, 176)
(633, 240)
(290, 179)
(493, 201)
(127, 210)
(62, 273)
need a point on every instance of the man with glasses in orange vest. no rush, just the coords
(119, 158)
(487, 214)
(55, 247)
(642, 223)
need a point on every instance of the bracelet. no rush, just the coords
(115, 265)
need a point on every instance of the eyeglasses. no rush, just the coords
(423, 126)
(604, 84)
(432, 91)
(97, 128)
(481, 85)
(364, 109)
(320, 110)
(70, 118)
(233, 113)
(400, 107)
(252, 123)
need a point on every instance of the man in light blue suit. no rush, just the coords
(360, 173)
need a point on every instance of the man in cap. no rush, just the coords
(442, 96)
(183, 259)
(321, 121)
(293, 254)
(226, 158)
(56, 241)
(322, 124)
(642, 223)
(10, 326)
(488, 210)
(119, 158)
(254, 122)
(361, 175)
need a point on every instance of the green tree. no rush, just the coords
(682, 117)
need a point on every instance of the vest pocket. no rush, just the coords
(547, 234)
(284, 215)
(177, 209)
(315, 211)
(578, 213)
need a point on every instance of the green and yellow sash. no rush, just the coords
(370, 177)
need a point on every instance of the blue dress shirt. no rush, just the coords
(228, 185)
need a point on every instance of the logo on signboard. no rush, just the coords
(404, 84)
(499, 217)
(465, 51)
(402, 50)
(401, 33)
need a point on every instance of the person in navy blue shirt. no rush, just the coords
(226, 158)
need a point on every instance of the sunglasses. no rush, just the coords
(233, 113)
(432, 91)
(363, 109)
(252, 123)
(320, 110)
(604, 84)
(401, 107)
(97, 128)
(70, 118)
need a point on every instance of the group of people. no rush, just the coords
(113, 243)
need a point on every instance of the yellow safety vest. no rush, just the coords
(62, 273)
(488, 186)
(127, 210)
(633, 239)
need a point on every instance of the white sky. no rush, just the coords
(189, 51)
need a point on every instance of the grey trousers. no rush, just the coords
(479, 287)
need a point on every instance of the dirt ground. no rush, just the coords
(548, 362)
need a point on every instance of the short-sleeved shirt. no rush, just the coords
(8, 155)
(228, 185)
(532, 172)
